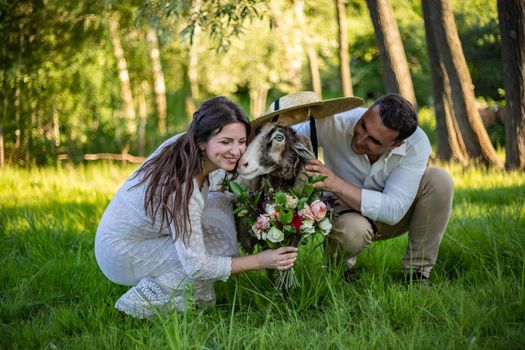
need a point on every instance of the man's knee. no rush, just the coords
(440, 184)
(353, 233)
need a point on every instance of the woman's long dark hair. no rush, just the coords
(169, 175)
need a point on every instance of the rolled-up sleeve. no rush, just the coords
(390, 205)
(196, 262)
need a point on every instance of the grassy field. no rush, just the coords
(53, 296)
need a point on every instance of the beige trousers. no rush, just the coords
(425, 222)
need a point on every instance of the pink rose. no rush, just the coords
(261, 225)
(318, 209)
(307, 214)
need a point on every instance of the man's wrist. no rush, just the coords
(336, 185)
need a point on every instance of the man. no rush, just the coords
(376, 165)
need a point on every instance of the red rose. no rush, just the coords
(297, 221)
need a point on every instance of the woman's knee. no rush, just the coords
(218, 225)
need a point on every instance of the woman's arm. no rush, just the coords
(282, 258)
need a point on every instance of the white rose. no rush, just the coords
(307, 227)
(291, 201)
(325, 226)
(269, 209)
(275, 235)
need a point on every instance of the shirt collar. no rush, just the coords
(400, 150)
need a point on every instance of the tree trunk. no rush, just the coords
(344, 60)
(143, 114)
(314, 69)
(393, 59)
(257, 100)
(125, 87)
(3, 119)
(159, 85)
(450, 145)
(511, 15)
(193, 65)
(451, 54)
(28, 161)
(56, 128)
(193, 74)
(193, 68)
(2, 152)
(309, 48)
(54, 132)
(17, 118)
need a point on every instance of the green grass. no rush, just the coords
(53, 296)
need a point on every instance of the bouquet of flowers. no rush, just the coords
(283, 218)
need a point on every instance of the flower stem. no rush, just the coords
(287, 280)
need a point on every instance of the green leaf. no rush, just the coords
(308, 190)
(240, 209)
(236, 188)
(301, 203)
(256, 198)
(272, 245)
(285, 216)
(317, 178)
(288, 229)
(280, 198)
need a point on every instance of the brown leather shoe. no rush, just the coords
(417, 279)
(350, 275)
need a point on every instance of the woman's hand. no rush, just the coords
(282, 258)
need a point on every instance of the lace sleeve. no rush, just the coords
(195, 259)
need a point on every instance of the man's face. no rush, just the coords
(371, 136)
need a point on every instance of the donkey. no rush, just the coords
(278, 155)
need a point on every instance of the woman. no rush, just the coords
(162, 233)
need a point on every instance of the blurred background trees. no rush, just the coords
(108, 77)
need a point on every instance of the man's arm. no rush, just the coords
(388, 206)
(345, 191)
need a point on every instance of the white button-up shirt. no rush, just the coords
(390, 184)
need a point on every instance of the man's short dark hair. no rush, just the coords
(398, 114)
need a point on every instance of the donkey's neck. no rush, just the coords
(279, 182)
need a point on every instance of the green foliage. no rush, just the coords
(222, 20)
(478, 29)
(59, 86)
(427, 122)
(52, 294)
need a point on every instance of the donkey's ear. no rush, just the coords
(303, 147)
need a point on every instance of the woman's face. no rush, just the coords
(224, 149)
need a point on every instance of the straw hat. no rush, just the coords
(278, 110)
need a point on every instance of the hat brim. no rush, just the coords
(318, 110)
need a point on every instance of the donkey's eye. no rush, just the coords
(279, 138)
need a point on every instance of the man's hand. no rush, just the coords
(316, 167)
(344, 190)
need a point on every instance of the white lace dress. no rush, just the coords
(131, 250)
